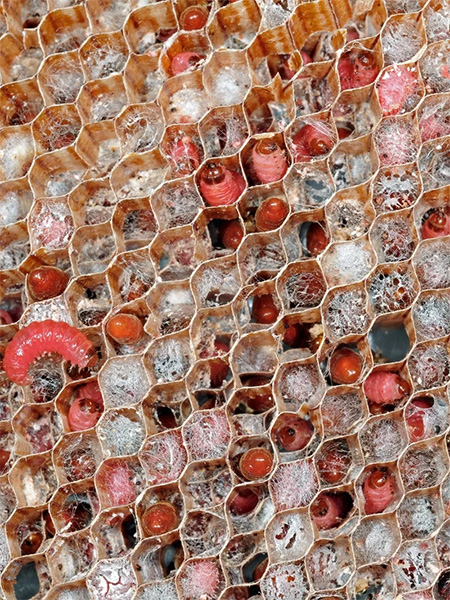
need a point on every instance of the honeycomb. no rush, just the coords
(107, 142)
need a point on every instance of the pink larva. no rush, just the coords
(185, 156)
(220, 186)
(382, 387)
(5, 318)
(378, 490)
(42, 337)
(269, 161)
(184, 61)
(86, 409)
(327, 511)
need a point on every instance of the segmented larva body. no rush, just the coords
(220, 186)
(184, 61)
(384, 387)
(42, 337)
(378, 490)
(269, 161)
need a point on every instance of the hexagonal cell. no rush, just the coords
(120, 432)
(56, 127)
(150, 509)
(392, 288)
(223, 131)
(348, 262)
(16, 198)
(284, 487)
(168, 359)
(90, 299)
(92, 202)
(29, 531)
(61, 77)
(102, 99)
(309, 186)
(289, 578)
(402, 38)
(93, 248)
(57, 174)
(37, 429)
(163, 457)
(119, 481)
(26, 575)
(302, 285)
(415, 566)
(383, 439)
(426, 416)
(423, 466)
(98, 145)
(345, 312)
(64, 30)
(112, 577)
(115, 532)
(391, 339)
(289, 536)
(16, 152)
(395, 188)
(356, 113)
(77, 456)
(349, 214)
(397, 140)
(316, 90)
(206, 485)
(430, 262)
(138, 175)
(103, 54)
(51, 224)
(353, 162)
(131, 275)
(197, 576)
(330, 564)
(420, 515)
(428, 365)
(142, 78)
(375, 540)
(342, 411)
(20, 102)
(123, 381)
(377, 579)
(149, 27)
(433, 163)
(135, 223)
(193, 46)
(33, 479)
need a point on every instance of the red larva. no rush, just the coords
(316, 239)
(378, 490)
(86, 409)
(334, 464)
(244, 501)
(185, 156)
(312, 141)
(220, 186)
(328, 510)
(41, 337)
(415, 418)
(271, 214)
(345, 366)
(5, 318)
(293, 433)
(357, 68)
(231, 233)
(269, 161)
(383, 387)
(184, 61)
(436, 225)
